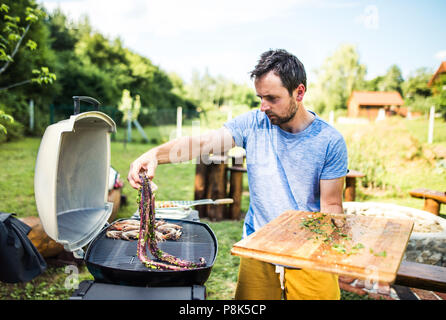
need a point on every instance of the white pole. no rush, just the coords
(381, 115)
(31, 115)
(430, 137)
(331, 117)
(196, 131)
(129, 125)
(229, 115)
(179, 121)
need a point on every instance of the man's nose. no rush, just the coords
(264, 106)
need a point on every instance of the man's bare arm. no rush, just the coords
(331, 195)
(180, 150)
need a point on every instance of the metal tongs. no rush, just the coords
(187, 205)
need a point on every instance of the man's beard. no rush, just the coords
(290, 114)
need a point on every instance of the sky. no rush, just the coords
(226, 37)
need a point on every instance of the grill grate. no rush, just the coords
(195, 242)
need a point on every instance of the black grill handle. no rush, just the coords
(78, 99)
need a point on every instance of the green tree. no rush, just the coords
(76, 74)
(216, 96)
(339, 75)
(25, 58)
(91, 64)
(392, 80)
(14, 32)
(64, 33)
(244, 95)
(213, 92)
(373, 84)
(439, 97)
(178, 87)
(201, 90)
(416, 84)
(417, 94)
(125, 69)
(5, 117)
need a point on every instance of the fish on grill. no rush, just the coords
(129, 230)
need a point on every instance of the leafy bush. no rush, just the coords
(378, 149)
(15, 131)
(439, 90)
(420, 103)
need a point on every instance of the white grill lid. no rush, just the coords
(71, 178)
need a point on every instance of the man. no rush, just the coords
(295, 160)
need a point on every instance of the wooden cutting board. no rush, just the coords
(364, 247)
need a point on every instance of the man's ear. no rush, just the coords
(299, 92)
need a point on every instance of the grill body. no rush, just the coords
(115, 261)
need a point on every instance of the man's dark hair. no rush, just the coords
(285, 65)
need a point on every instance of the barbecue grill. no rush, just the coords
(71, 187)
(115, 261)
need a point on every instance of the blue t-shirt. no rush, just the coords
(284, 169)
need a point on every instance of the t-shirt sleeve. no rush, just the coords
(336, 161)
(240, 127)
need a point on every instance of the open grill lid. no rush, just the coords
(71, 177)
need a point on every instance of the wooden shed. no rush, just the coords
(366, 104)
(440, 70)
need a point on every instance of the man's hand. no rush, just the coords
(145, 164)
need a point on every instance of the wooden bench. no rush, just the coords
(414, 281)
(350, 184)
(421, 276)
(432, 199)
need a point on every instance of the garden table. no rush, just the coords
(236, 185)
(350, 184)
(210, 183)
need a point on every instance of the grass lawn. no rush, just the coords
(390, 153)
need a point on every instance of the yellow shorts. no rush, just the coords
(258, 280)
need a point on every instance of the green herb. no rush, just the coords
(382, 254)
(358, 246)
(379, 254)
(316, 225)
(339, 248)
